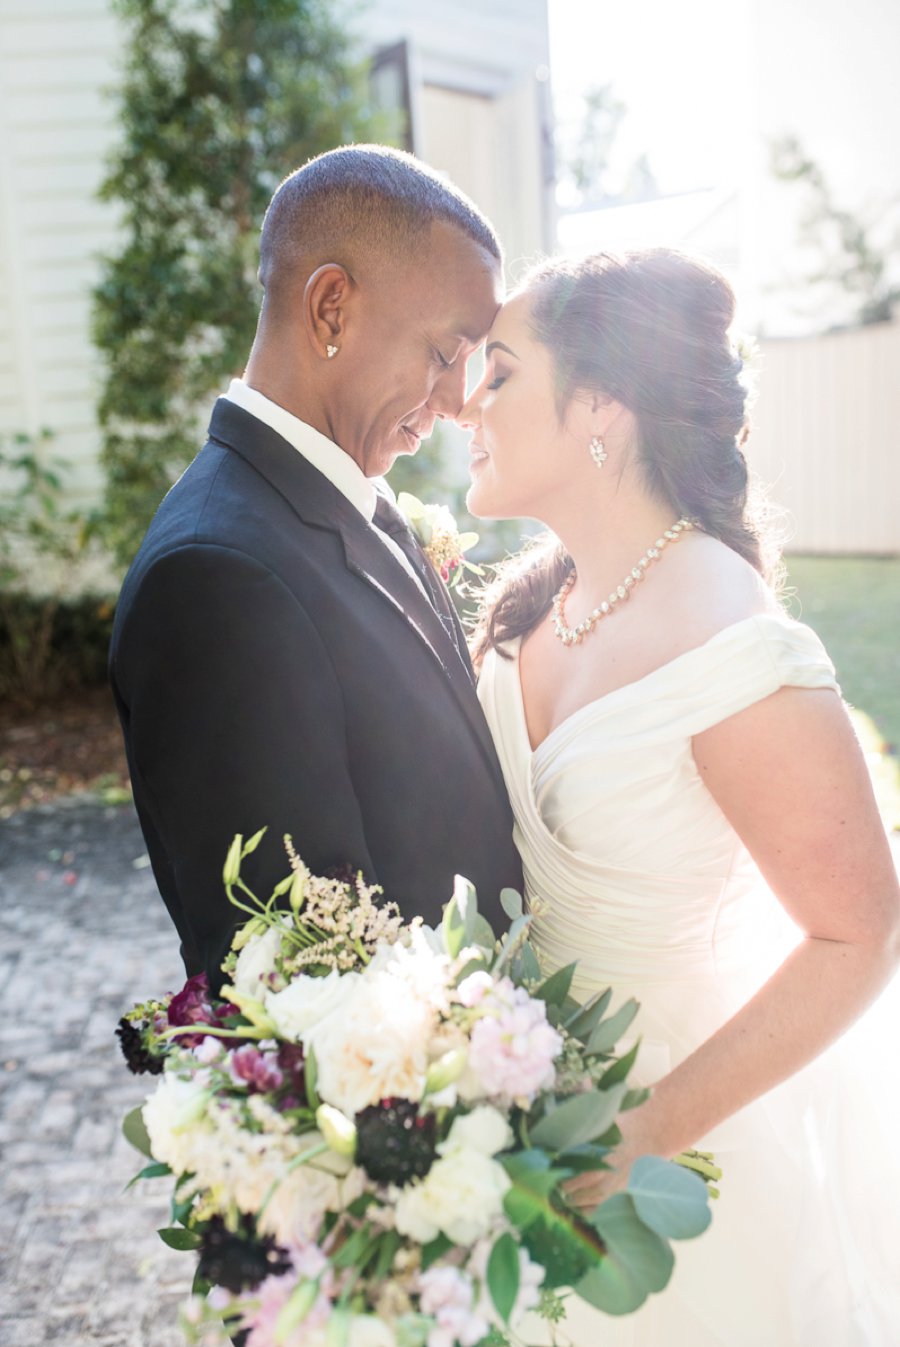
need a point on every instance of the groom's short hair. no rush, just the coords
(366, 197)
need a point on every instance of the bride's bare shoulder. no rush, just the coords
(708, 586)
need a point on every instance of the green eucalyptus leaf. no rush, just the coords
(503, 1275)
(556, 988)
(581, 1118)
(508, 947)
(615, 1074)
(554, 1236)
(512, 903)
(608, 1032)
(483, 934)
(581, 1023)
(527, 968)
(585, 1159)
(637, 1261)
(135, 1131)
(668, 1198)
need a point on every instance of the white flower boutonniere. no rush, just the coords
(440, 537)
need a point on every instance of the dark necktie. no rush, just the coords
(389, 519)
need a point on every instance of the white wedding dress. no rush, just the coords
(636, 873)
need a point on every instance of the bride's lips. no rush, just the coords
(477, 456)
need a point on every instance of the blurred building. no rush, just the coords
(473, 79)
(825, 423)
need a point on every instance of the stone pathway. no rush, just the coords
(83, 934)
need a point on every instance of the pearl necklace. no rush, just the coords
(575, 635)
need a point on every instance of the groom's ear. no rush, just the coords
(325, 298)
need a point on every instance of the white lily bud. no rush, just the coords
(232, 868)
(337, 1129)
(445, 1070)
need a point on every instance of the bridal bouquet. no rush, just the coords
(370, 1127)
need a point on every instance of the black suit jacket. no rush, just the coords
(273, 663)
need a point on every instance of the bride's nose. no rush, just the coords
(469, 415)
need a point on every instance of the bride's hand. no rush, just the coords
(586, 1191)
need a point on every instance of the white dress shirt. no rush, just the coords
(331, 460)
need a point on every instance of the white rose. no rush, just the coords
(461, 1196)
(306, 1001)
(175, 1116)
(374, 1046)
(256, 961)
(484, 1129)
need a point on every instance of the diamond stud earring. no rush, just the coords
(598, 453)
(331, 351)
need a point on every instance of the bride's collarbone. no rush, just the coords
(557, 680)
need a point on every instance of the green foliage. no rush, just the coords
(48, 640)
(851, 260)
(219, 100)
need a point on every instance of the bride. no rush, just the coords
(693, 811)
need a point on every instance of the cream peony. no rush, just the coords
(484, 1129)
(461, 1197)
(175, 1116)
(375, 1046)
(306, 1001)
(366, 1330)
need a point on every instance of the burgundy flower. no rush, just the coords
(139, 1056)
(194, 1005)
(394, 1143)
(290, 1060)
(255, 1069)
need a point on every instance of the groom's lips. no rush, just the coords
(416, 436)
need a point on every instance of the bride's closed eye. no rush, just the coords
(497, 380)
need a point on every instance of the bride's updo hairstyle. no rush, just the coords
(649, 330)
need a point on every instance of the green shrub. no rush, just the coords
(47, 651)
(220, 100)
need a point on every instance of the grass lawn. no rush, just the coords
(854, 605)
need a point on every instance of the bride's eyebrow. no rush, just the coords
(499, 346)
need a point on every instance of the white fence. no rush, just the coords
(826, 436)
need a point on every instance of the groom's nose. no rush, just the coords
(449, 392)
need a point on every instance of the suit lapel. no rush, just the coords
(319, 503)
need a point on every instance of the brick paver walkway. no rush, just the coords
(83, 934)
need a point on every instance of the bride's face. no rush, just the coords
(520, 450)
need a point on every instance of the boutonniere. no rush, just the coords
(442, 542)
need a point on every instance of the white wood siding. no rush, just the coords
(57, 59)
(826, 434)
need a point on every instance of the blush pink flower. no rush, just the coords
(271, 1296)
(448, 1295)
(513, 1046)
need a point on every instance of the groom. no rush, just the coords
(283, 652)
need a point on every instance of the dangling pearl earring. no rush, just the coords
(598, 453)
(331, 351)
